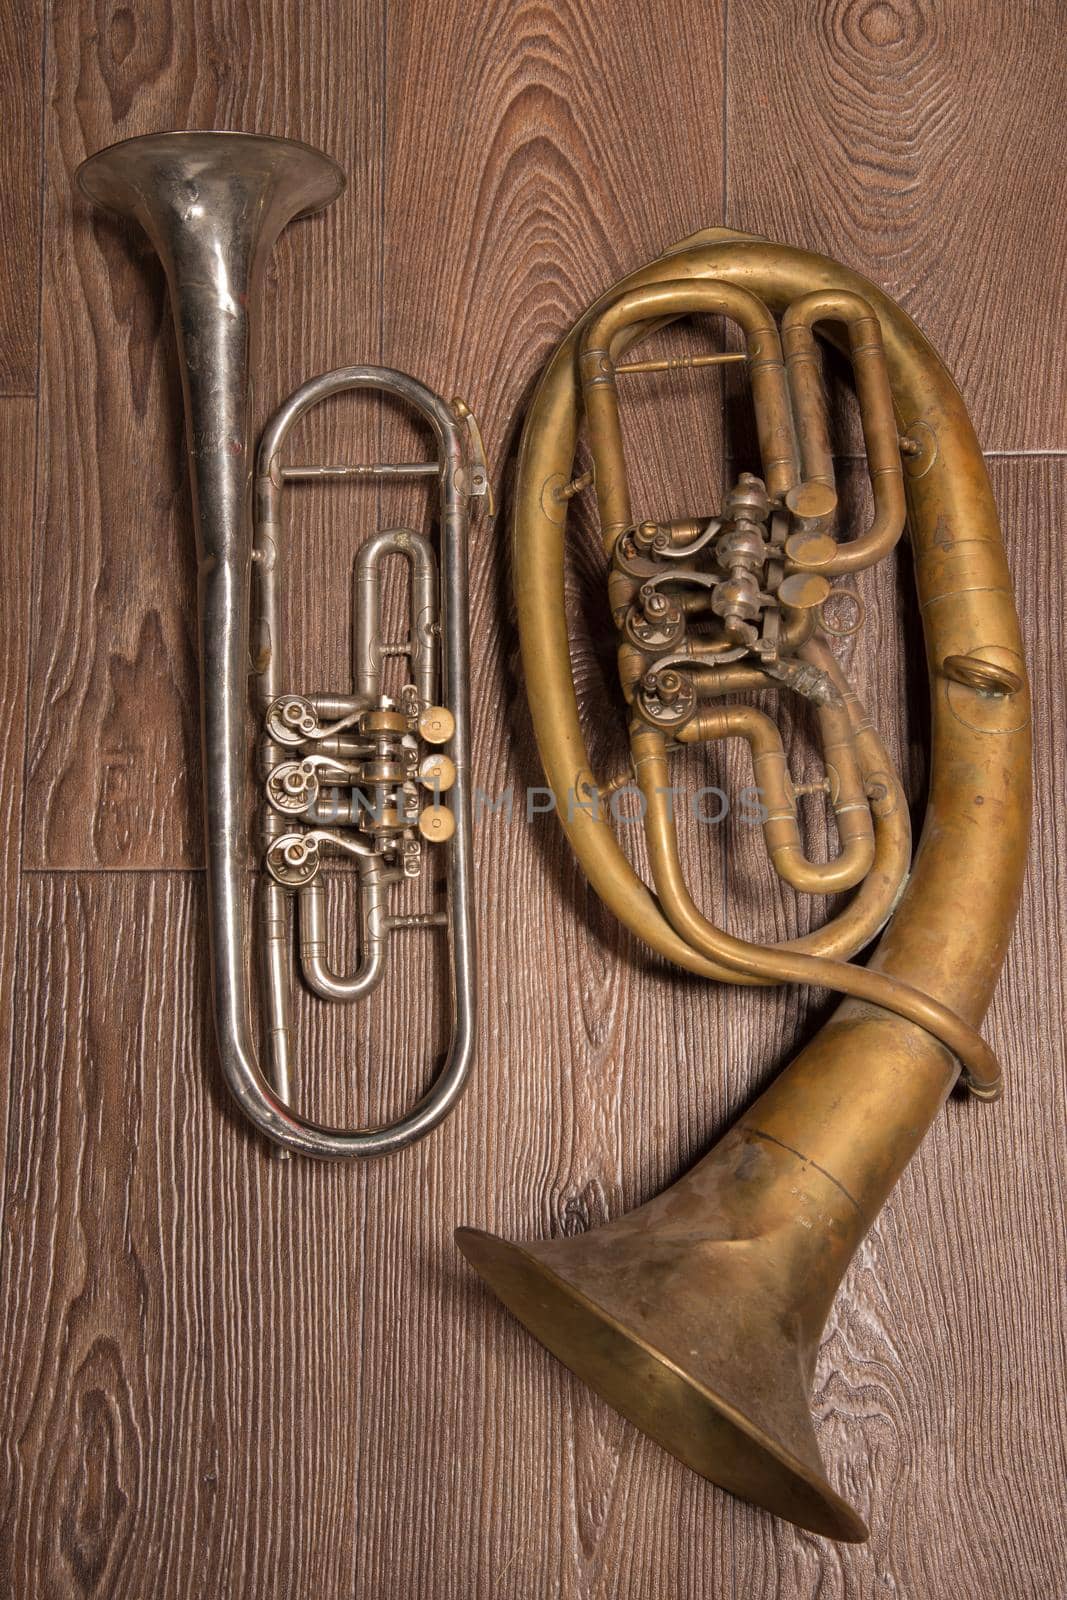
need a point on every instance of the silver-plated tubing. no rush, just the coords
(335, 707)
(450, 583)
(314, 964)
(274, 978)
(344, 747)
(213, 204)
(377, 469)
(375, 928)
(421, 648)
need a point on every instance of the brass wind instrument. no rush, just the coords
(698, 1316)
(376, 778)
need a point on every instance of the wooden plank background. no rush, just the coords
(224, 1375)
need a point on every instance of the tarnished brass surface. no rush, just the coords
(699, 1315)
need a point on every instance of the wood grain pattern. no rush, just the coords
(229, 1375)
(114, 772)
(913, 139)
(17, 439)
(20, 194)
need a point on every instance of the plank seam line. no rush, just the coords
(7, 1044)
(115, 872)
(383, 213)
(725, 124)
(989, 455)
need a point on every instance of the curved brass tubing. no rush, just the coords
(966, 598)
(778, 962)
(865, 915)
(607, 333)
(876, 412)
(699, 1315)
(633, 310)
(780, 826)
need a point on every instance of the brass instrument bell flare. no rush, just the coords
(699, 1315)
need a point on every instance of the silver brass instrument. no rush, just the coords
(381, 779)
